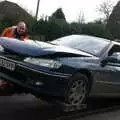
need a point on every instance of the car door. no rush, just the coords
(108, 76)
(113, 80)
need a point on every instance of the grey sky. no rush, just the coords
(71, 8)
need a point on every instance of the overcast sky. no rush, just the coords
(71, 8)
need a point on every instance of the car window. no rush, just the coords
(114, 49)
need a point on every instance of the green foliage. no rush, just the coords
(58, 14)
(51, 30)
(6, 22)
(56, 26)
(94, 29)
(113, 25)
(75, 28)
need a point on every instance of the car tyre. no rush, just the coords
(78, 90)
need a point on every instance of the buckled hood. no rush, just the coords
(37, 48)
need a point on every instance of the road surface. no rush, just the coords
(111, 115)
(27, 107)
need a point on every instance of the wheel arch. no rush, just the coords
(88, 74)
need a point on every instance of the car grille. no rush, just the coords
(14, 57)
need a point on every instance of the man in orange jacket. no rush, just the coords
(19, 31)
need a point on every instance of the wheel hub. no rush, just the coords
(77, 92)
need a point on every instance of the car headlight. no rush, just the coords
(44, 62)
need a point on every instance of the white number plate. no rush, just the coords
(7, 64)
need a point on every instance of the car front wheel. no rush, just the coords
(77, 90)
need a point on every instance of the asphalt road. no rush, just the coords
(113, 115)
(27, 107)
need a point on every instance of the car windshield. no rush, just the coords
(89, 44)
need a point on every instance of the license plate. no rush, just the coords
(7, 64)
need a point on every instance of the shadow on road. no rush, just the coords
(27, 107)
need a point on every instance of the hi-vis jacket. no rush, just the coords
(10, 32)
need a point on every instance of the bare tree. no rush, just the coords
(105, 8)
(81, 17)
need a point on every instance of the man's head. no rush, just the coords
(21, 27)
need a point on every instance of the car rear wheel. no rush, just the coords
(77, 90)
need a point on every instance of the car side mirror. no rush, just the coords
(111, 59)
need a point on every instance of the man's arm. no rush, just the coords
(5, 32)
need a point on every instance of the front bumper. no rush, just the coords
(37, 81)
